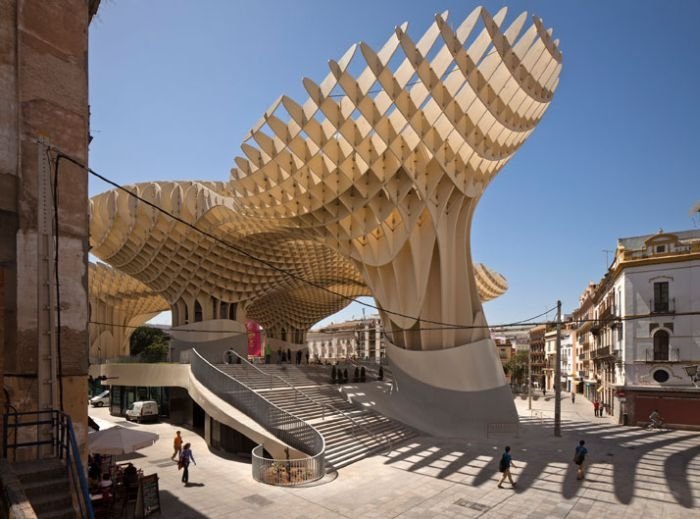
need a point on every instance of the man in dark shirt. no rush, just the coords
(504, 467)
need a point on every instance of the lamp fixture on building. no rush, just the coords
(693, 373)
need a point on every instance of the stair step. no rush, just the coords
(39, 488)
(45, 484)
(58, 513)
(39, 470)
(51, 501)
(339, 462)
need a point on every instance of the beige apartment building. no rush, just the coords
(640, 328)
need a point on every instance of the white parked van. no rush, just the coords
(142, 410)
(101, 399)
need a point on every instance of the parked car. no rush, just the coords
(101, 399)
(142, 410)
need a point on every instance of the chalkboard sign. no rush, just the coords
(148, 498)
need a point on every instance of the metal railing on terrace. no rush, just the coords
(671, 355)
(662, 306)
(285, 426)
(644, 253)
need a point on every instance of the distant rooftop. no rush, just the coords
(638, 242)
(351, 323)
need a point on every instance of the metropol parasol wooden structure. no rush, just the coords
(368, 187)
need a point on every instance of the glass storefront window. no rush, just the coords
(115, 395)
(123, 397)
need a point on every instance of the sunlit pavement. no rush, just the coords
(631, 473)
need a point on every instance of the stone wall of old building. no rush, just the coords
(43, 95)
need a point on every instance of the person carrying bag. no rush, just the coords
(580, 459)
(184, 463)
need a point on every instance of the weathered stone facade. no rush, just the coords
(43, 95)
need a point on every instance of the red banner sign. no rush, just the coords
(254, 339)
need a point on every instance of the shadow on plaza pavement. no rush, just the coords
(171, 504)
(627, 462)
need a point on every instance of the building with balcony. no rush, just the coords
(646, 329)
(354, 339)
(505, 353)
(567, 347)
(537, 345)
(607, 335)
(583, 324)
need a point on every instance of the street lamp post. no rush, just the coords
(529, 376)
(557, 376)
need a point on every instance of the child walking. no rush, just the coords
(504, 467)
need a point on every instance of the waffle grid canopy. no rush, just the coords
(368, 187)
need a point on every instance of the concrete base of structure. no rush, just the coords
(457, 392)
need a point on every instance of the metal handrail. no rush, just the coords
(284, 425)
(70, 443)
(38, 421)
(63, 444)
(321, 404)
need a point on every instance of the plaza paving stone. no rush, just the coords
(631, 473)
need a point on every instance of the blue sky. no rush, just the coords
(175, 86)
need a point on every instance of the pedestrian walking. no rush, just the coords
(596, 407)
(504, 467)
(573, 396)
(177, 445)
(184, 464)
(580, 459)
(544, 391)
(268, 353)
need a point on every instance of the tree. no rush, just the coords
(516, 367)
(151, 344)
(156, 352)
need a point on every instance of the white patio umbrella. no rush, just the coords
(120, 440)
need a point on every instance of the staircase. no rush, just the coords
(45, 484)
(351, 433)
(277, 375)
